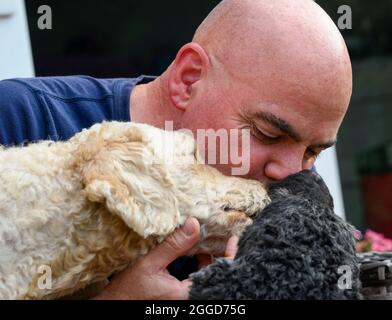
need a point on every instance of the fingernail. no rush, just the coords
(189, 227)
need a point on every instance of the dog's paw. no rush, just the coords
(216, 231)
(249, 197)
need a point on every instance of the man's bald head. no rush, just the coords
(279, 67)
(286, 39)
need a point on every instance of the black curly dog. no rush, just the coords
(292, 250)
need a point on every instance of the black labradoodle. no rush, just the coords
(293, 250)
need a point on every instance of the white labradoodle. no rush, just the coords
(88, 207)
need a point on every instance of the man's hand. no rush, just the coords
(148, 278)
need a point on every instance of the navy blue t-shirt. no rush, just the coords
(56, 108)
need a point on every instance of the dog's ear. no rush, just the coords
(115, 195)
(120, 170)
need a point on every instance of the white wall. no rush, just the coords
(15, 49)
(327, 167)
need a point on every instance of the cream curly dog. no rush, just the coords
(88, 207)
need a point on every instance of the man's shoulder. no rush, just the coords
(57, 107)
(13, 91)
(65, 87)
(54, 107)
(61, 95)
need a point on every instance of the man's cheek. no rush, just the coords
(240, 152)
(258, 160)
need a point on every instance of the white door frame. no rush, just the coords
(16, 58)
(327, 167)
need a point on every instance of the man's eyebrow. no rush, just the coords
(279, 124)
(324, 145)
(286, 128)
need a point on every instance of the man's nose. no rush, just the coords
(283, 167)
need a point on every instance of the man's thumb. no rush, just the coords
(176, 245)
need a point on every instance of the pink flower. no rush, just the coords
(357, 235)
(379, 242)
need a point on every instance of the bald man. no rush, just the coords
(279, 68)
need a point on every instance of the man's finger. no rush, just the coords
(177, 244)
(186, 285)
(231, 247)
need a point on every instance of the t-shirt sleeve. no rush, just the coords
(56, 108)
(20, 117)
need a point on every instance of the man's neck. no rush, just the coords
(148, 104)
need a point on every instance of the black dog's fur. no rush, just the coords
(292, 250)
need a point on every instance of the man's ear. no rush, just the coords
(188, 68)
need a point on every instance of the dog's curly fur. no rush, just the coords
(90, 206)
(292, 251)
